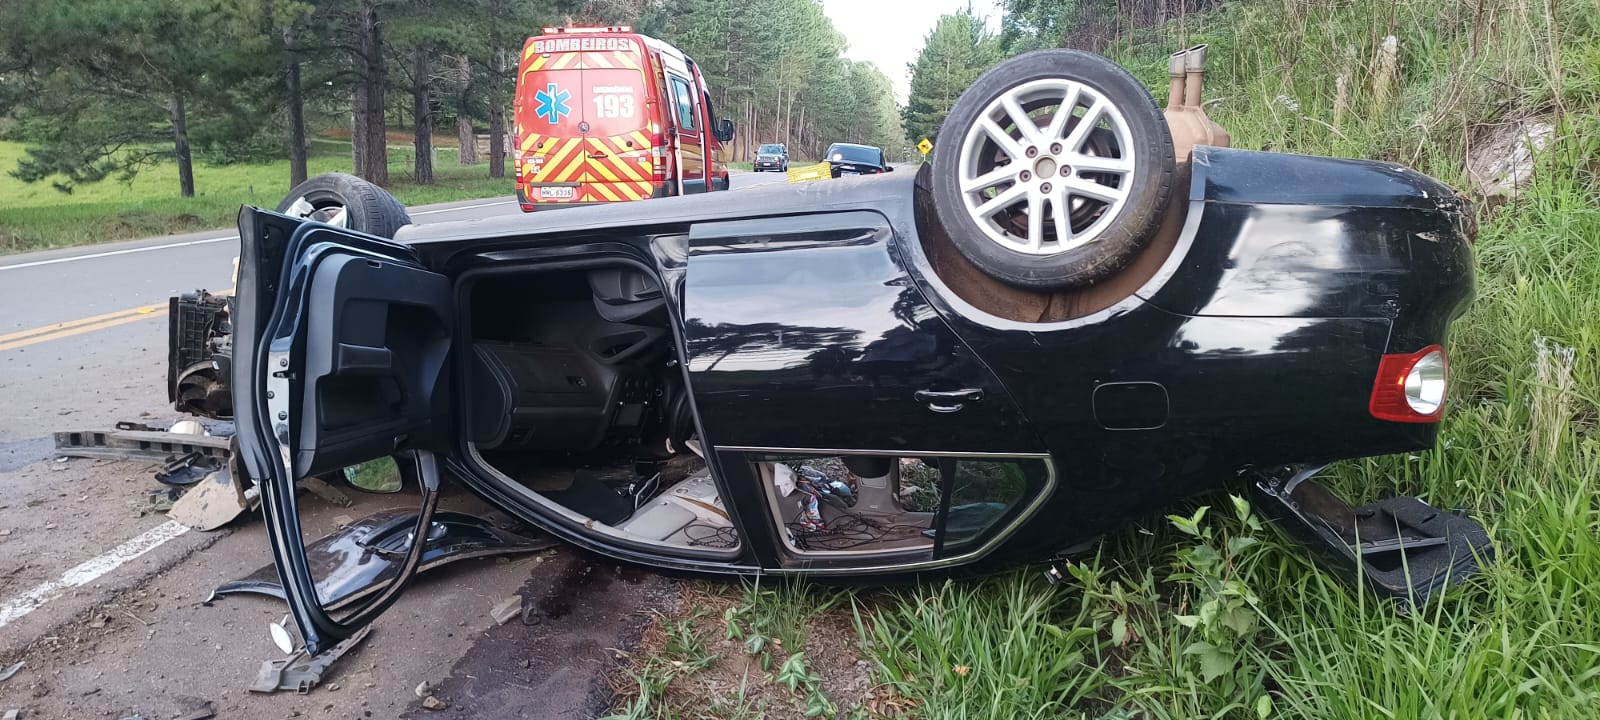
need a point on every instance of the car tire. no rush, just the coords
(366, 208)
(1106, 186)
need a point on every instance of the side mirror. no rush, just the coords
(724, 130)
(888, 168)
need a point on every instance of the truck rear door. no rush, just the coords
(583, 120)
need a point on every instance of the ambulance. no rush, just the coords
(604, 114)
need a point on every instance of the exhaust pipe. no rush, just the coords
(1185, 113)
(1194, 68)
(1175, 74)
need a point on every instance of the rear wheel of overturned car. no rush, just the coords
(1053, 170)
(346, 201)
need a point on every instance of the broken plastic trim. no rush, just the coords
(355, 562)
(1401, 547)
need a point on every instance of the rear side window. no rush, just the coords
(684, 98)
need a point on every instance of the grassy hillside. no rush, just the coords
(1216, 615)
(35, 215)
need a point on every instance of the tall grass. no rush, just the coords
(1519, 447)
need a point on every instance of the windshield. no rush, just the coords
(854, 154)
(770, 150)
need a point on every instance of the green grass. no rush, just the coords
(35, 216)
(1221, 617)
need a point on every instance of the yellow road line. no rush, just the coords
(34, 336)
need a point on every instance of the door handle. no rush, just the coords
(948, 401)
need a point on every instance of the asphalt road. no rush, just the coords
(103, 602)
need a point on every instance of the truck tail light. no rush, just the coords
(658, 158)
(1411, 387)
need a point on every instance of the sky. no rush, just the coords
(888, 33)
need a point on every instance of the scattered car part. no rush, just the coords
(301, 672)
(356, 561)
(199, 335)
(1400, 547)
(188, 427)
(147, 445)
(187, 469)
(1039, 196)
(10, 671)
(211, 503)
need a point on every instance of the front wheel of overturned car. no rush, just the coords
(346, 201)
(1053, 170)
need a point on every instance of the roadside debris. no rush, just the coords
(366, 555)
(137, 441)
(327, 492)
(10, 671)
(160, 500)
(204, 710)
(187, 469)
(506, 610)
(12, 714)
(212, 503)
(432, 703)
(301, 672)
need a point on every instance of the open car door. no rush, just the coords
(341, 348)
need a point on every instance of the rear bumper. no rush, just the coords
(529, 205)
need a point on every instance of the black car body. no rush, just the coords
(802, 332)
(772, 156)
(848, 159)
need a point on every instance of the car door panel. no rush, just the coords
(332, 318)
(811, 335)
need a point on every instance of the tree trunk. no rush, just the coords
(422, 110)
(375, 165)
(467, 153)
(497, 141)
(297, 117)
(358, 130)
(468, 140)
(180, 147)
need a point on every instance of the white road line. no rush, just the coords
(89, 571)
(205, 241)
(112, 253)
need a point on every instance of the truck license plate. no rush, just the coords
(557, 193)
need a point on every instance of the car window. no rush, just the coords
(855, 154)
(773, 149)
(685, 102)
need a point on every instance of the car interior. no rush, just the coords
(576, 396)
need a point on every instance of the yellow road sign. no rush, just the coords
(925, 147)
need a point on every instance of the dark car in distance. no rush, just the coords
(1051, 328)
(850, 159)
(772, 156)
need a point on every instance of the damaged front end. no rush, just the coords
(1399, 547)
(199, 354)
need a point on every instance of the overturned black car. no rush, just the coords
(1081, 311)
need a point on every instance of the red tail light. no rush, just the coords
(658, 158)
(1411, 387)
